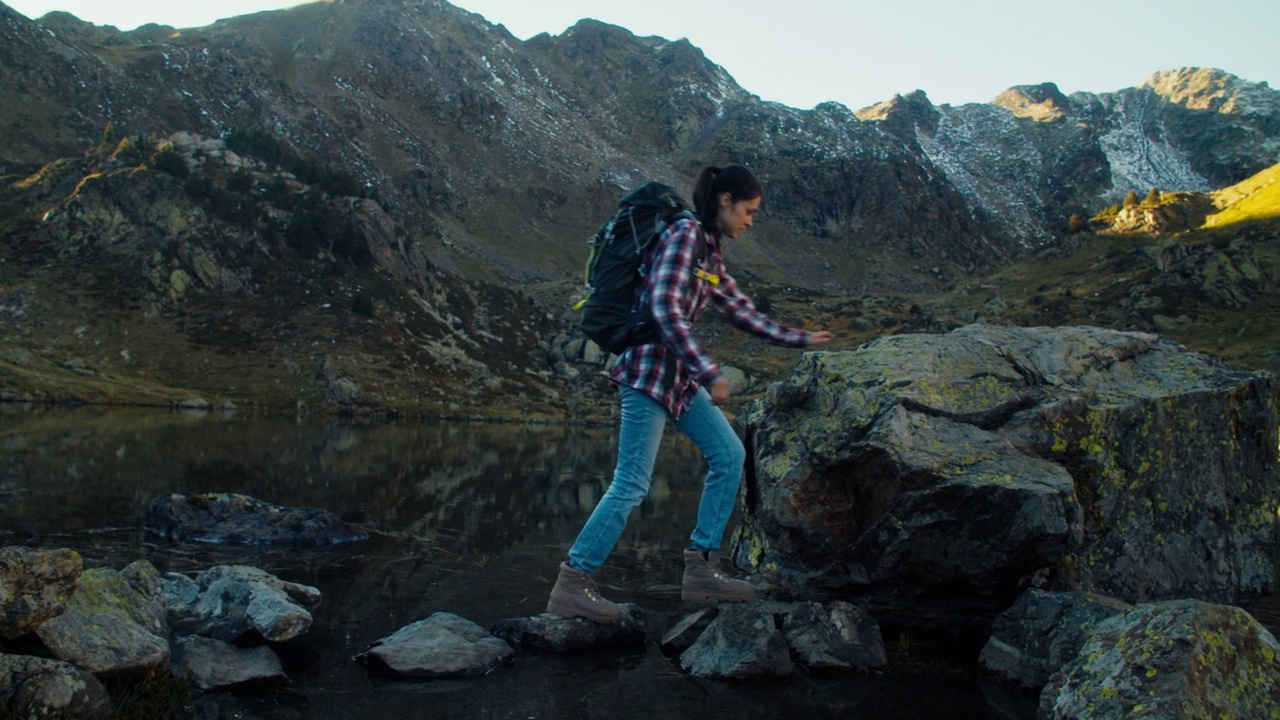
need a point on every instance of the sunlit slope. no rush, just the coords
(1257, 198)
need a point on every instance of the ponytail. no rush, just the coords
(712, 181)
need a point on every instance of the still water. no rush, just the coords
(467, 518)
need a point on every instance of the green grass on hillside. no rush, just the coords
(1257, 198)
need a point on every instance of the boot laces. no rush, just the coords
(591, 591)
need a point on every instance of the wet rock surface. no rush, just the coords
(550, 632)
(443, 645)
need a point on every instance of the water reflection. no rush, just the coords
(467, 518)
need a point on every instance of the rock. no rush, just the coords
(238, 603)
(34, 587)
(835, 636)
(213, 664)
(688, 630)
(932, 478)
(742, 643)
(443, 645)
(232, 519)
(1042, 632)
(1174, 659)
(196, 403)
(32, 687)
(1041, 103)
(840, 636)
(739, 381)
(559, 634)
(109, 627)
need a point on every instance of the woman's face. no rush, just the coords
(736, 215)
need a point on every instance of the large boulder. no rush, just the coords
(931, 478)
(34, 586)
(109, 626)
(234, 519)
(1174, 659)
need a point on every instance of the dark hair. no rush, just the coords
(733, 179)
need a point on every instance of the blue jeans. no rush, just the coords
(643, 422)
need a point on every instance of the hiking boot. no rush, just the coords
(575, 595)
(705, 583)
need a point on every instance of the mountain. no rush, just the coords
(382, 204)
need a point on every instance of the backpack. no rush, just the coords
(618, 262)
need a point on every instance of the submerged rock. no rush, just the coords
(109, 627)
(932, 478)
(441, 646)
(559, 634)
(32, 687)
(232, 519)
(1175, 659)
(1042, 632)
(34, 587)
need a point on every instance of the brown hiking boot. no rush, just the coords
(575, 595)
(705, 583)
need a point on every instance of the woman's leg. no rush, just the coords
(708, 428)
(643, 421)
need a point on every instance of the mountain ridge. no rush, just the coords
(469, 167)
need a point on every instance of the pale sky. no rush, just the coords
(860, 52)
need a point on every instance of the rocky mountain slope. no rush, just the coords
(382, 204)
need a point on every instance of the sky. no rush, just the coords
(860, 52)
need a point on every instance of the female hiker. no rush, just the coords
(675, 380)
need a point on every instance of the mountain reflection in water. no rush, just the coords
(466, 518)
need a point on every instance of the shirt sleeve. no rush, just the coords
(741, 312)
(669, 284)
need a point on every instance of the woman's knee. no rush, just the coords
(731, 454)
(627, 491)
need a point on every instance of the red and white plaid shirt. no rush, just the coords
(671, 371)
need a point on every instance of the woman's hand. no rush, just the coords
(819, 337)
(720, 391)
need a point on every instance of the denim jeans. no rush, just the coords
(643, 422)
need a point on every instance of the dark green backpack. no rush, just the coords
(619, 261)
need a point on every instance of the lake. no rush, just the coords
(467, 518)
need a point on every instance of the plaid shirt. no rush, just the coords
(672, 370)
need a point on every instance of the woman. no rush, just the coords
(675, 380)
